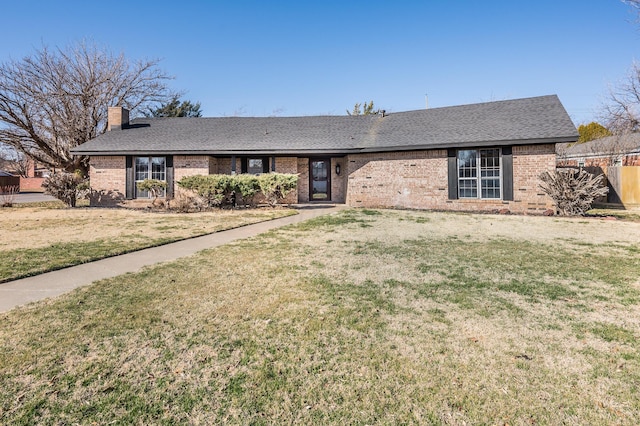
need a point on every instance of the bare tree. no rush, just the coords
(57, 99)
(622, 111)
(15, 162)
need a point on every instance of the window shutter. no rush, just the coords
(265, 164)
(273, 164)
(507, 174)
(243, 165)
(452, 161)
(129, 178)
(170, 183)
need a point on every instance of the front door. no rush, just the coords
(320, 179)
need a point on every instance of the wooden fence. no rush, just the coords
(624, 185)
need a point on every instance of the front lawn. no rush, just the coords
(361, 317)
(46, 237)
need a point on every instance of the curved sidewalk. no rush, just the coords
(51, 284)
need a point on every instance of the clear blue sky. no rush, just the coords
(258, 58)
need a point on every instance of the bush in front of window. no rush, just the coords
(154, 187)
(573, 190)
(223, 190)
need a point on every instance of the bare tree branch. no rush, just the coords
(57, 99)
(622, 112)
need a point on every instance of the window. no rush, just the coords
(479, 172)
(254, 166)
(149, 168)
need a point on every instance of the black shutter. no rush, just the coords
(507, 174)
(130, 180)
(243, 165)
(452, 162)
(170, 183)
(265, 164)
(273, 164)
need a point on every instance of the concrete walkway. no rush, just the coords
(51, 284)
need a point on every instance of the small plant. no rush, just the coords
(154, 187)
(573, 190)
(65, 186)
(8, 195)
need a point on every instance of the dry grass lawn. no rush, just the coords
(37, 239)
(361, 317)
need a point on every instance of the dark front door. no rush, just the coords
(320, 179)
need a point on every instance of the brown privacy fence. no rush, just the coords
(624, 185)
(9, 181)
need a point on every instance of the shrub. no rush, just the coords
(219, 190)
(247, 186)
(215, 189)
(154, 187)
(65, 186)
(276, 186)
(187, 201)
(8, 195)
(573, 190)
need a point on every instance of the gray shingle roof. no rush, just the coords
(521, 121)
(619, 144)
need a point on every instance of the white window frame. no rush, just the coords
(150, 174)
(473, 173)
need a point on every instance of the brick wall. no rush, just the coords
(107, 176)
(303, 179)
(412, 179)
(189, 165)
(529, 161)
(418, 180)
(31, 184)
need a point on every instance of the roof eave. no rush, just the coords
(332, 151)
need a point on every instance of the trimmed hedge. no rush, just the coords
(222, 190)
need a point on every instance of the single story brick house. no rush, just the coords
(479, 157)
(616, 150)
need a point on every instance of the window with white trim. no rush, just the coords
(479, 173)
(149, 168)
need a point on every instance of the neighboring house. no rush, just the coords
(36, 174)
(30, 173)
(480, 157)
(617, 150)
(617, 157)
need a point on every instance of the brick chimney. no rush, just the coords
(118, 118)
